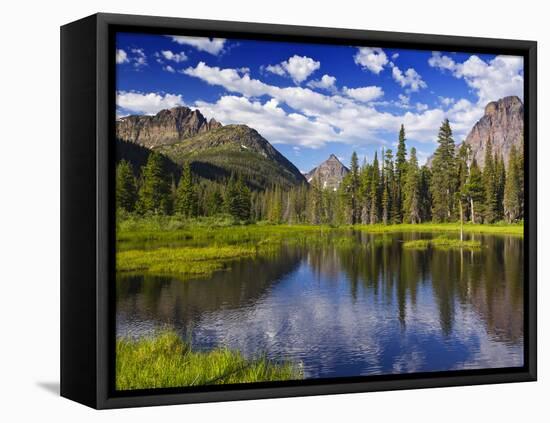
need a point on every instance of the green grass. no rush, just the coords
(185, 248)
(225, 230)
(497, 228)
(165, 361)
(219, 229)
(183, 262)
(442, 243)
(417, 244)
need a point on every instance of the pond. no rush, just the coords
(368, 307)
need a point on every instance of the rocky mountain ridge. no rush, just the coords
(168, 126)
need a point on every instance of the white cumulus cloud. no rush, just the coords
(364, 94)
(270, 120)
(446, 101)
(174, 57)
(213, 46)
(326, 82)
(339, 117)
(296, 67)
(146, 103)
(138, 59)
(409, 79)
(372, 58)
(491, 80)
(121, 56)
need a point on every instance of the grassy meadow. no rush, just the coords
(188, 248)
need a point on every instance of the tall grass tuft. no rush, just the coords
(165, 361)
(442, 243)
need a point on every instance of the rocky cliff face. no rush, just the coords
(502, 123)
(165, 128)
(330, 173)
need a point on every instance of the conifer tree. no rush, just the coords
(364, 193)
(126, 193)
(474, 192)
(400, 173)
(230, 201)
(425, 195)
(388, 188)
(275, 208)
(512, 200)
(315, 201)
(500, 183)
(411, 191)
(353, 189)
(443, 185)
(186, 197)
(213, 200)
(375, 191)
(154, 194)
(242, 202)
(521, 178)
(491, 205)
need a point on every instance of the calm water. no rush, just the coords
(370, 309)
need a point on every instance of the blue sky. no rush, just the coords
(313, 100)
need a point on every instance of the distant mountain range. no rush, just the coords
(330, 173)
(216, 152)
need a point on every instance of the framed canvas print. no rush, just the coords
(254, 211)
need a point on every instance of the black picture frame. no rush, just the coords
(87, 217)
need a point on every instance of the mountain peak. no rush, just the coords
(167, 127)
(502, 123)
(492, 108)
(330, 173)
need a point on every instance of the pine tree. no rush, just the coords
(386, 204)
(512, 200)
(425, 195)
(491, 205)
(364, 193)
(315, 201)
(475, 192)
(275, 205)
(500, 184)
(375, 191)
(400, 173)
(230, 201)
(521, 177)
(411, 191)
(353, 189)
(213, 200)
(154, 194)
(186, 197)
(443, 186)
(126, 193)
(242, 202)
(388, 189)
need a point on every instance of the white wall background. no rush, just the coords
(29, 209)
